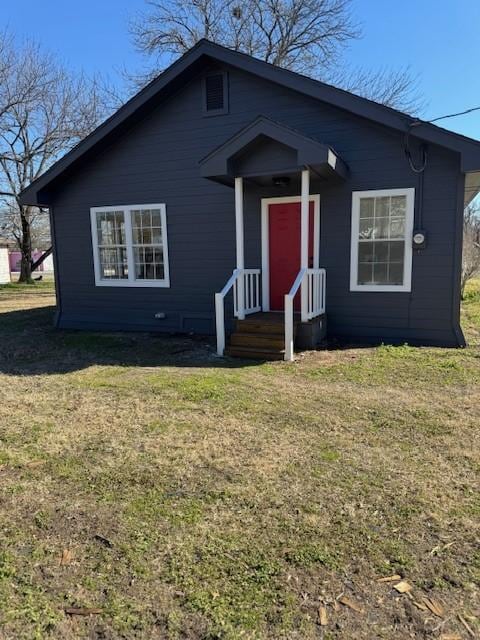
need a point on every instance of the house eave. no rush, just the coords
(468, 149)
(472, 186)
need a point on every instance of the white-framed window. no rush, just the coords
(381, 244)
(130, 247)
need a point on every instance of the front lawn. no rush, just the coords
(181, 496)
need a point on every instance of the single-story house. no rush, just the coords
(231, 187)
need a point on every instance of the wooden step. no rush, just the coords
(261, 340)
(252, 326)
(254, 353)
(260, 336)
(267, 323)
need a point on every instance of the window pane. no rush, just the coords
(382, 217)
(111, 228)
(143, 231)
(156, 218)
(137, 219)
(367, 207)
(396, 274)
(156, 235)
(366, 251)
(111, 242)
(147, 241)
(149, 263)
(137, 235)
(381, 228)
(113, 263)
(365, 273)
(397, 250)
(397, 227)
(380, 262)
(367, 227)
(149, 271)
(380, 273)
(105, 231)
(147, 236)
(398, 206)
(381, 251)
(120, 234)
(382, 207)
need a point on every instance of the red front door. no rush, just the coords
(284, 250)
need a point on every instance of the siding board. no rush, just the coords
(157, 161)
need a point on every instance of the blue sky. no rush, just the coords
(440, 45)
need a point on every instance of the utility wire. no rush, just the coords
(450, 115)
(423, 150)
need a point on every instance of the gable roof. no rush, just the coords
(170, 79)
(323, 160)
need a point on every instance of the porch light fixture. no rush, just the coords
(281, 181)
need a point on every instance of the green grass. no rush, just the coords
(471, 309)
(25, 289)
(203, 498)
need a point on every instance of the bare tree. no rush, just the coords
(11, 224)
(398, 88)
(471, 245)
(288, 33)
(307, 36)
(10, 95)
(46, 110)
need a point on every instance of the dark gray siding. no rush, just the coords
(157, 161)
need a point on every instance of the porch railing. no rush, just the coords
(251, 292)
(315, 292)
(313, 302)
(246, 300)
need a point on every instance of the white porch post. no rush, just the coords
(304, 239)
(240, 246)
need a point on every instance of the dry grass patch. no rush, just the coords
(190, 497)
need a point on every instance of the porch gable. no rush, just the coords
(278, 149)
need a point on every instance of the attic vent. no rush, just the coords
(216, 99)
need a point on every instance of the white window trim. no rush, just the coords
(130, 281)
(409, 219)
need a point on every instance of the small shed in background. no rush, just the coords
(4, 261)
(16, 259)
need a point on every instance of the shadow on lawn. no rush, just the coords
(31, 345)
